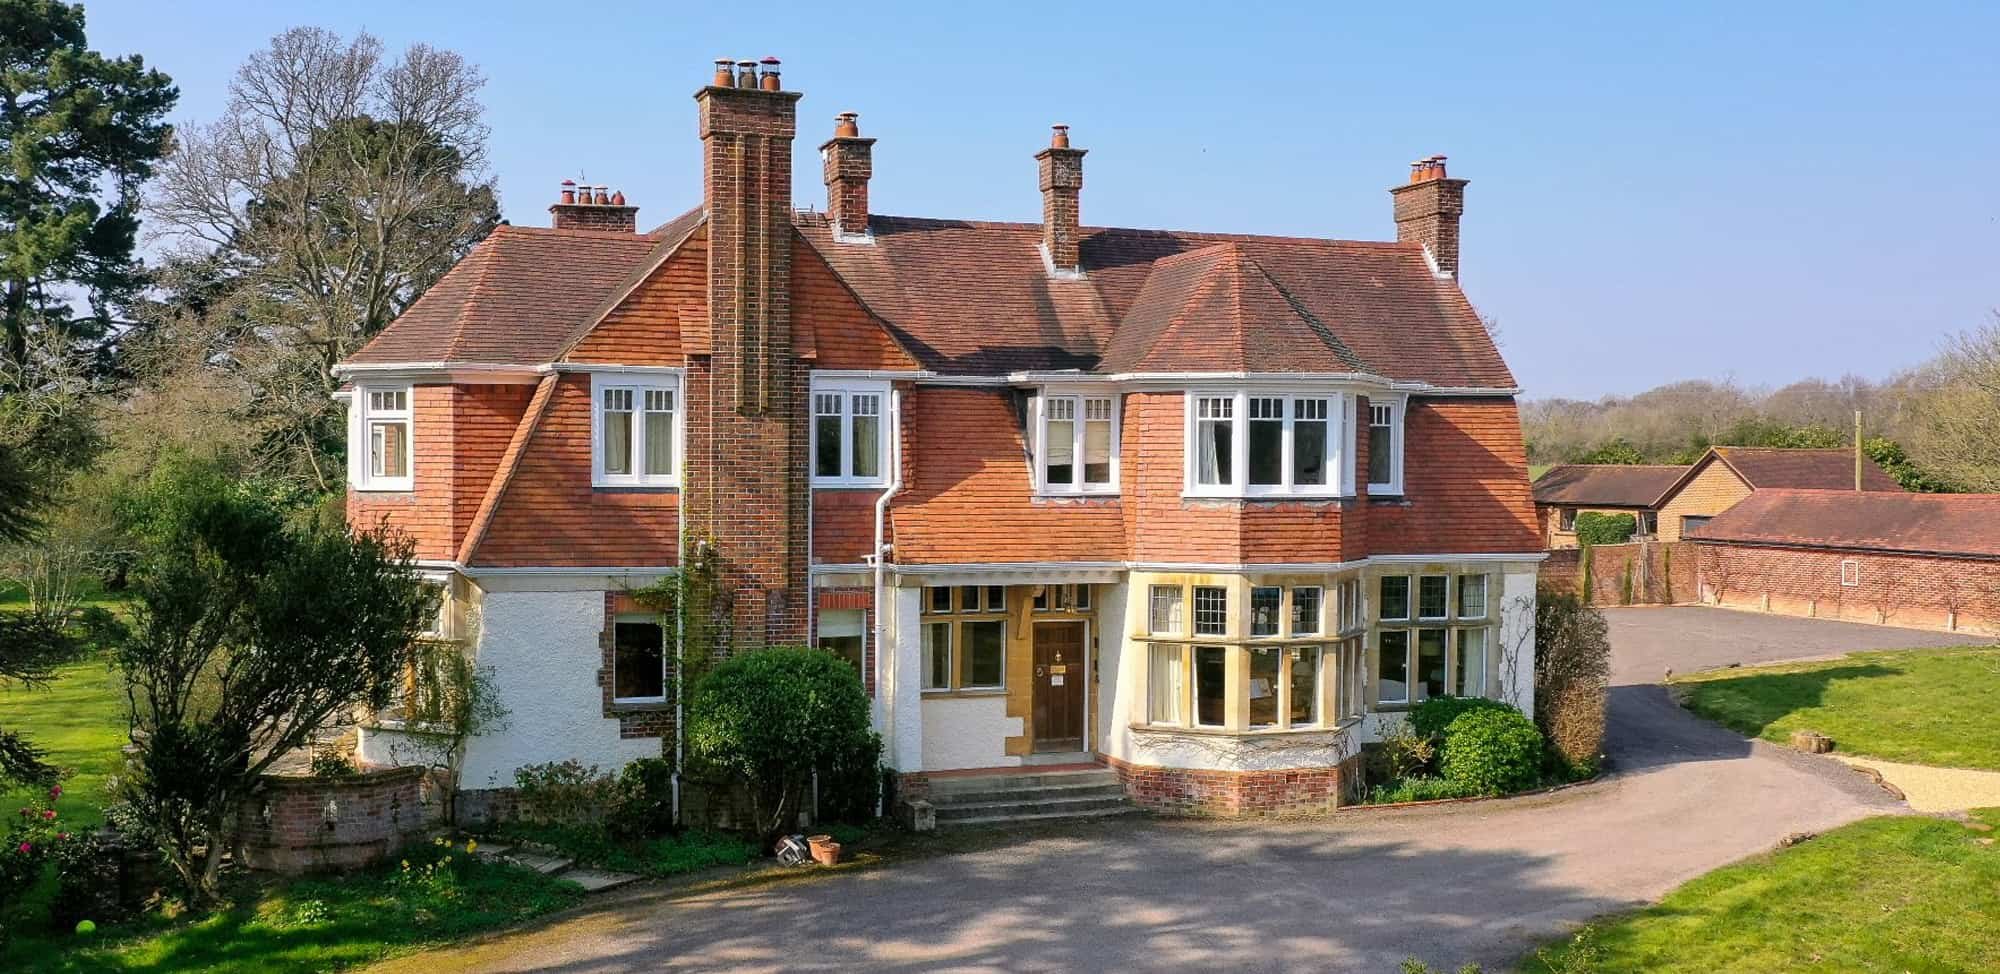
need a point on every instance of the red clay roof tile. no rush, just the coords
(1949, 524)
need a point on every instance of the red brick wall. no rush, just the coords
(1231, 794)
(746, 426)
(1662, 573)
(286, 827)
(1907, 590)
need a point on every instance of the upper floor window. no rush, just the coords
(850, 435)
(384, 432)
(1243, 444)
(1385, 448)
(635, 430)
(1079, 444)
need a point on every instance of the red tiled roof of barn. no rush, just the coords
(1946, 524)
(1607, 484)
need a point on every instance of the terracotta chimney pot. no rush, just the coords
(569, 192)
(770, 80)
(724, 77)
(618, 198)
(845, 126)
(746, 74)
(1059, 139)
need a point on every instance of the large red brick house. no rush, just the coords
(1205, 508)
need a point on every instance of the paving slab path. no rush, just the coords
(1358, 891)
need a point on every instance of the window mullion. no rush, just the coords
(1287, 407)
(1077, 438)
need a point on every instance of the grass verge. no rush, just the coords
(314, 924)
(79, 718)
(1892, 894)
(1917, 706)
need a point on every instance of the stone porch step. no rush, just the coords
(997, 821)
(1027, 808)
(1029, 795)
(951, 785)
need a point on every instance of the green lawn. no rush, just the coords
(1892, 894)
(1932, 707)
(79, 718)
(313, 924)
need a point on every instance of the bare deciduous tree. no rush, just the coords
(336, 188)
(1959, 435)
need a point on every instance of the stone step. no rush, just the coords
(599, 880)
(998, 821)
(546, 865)
(1016, 809)
(1046, 792)
(960, 784)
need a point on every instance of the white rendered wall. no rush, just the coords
(968, 732)
(1516, 660)
(541, 649)
(1108, 696)
(900, 692)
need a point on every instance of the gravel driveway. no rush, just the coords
(1360, 891)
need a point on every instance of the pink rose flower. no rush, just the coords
(55, 791)
(26, 848)
(49, 815)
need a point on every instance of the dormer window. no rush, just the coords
(850, 434)
(382, 439)
(1264, 444)
(1385, 447)
(1078, 445)
(635, 433)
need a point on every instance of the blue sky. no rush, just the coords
(1758, 192)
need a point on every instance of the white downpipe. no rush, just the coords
(881, 548)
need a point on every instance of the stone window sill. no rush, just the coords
(639, 706)
(967, 694)
(1259, 732)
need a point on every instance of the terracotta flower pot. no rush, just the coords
(825, 851)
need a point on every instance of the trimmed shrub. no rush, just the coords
(1593, 527)
(1419, 789)
(1572, 671)
(771, 718)
(1492, 752)
(645, 802)
(1430, 718)
(565, 793)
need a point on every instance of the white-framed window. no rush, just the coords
(384, 433)
(1266, 602)
(1078, 444)
(1244, 444)
(638, 659)
(1566, 519)
(1306, 609)
(1385, 447)
(1433, 596)
(937, 655)
(844, 633)
(1351, 615)
(850, 434)
(1166, 611)
(635, 429)
(1165, 682)
(1211, 682)
(1468, 666)
(1850, 573)
(1394, 600)
(1211, 610)
(1472, 596)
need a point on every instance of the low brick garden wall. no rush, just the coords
(1239, 794)
(298, 824)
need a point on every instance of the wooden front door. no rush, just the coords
(1059, 686)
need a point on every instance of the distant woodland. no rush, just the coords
(1936, 427)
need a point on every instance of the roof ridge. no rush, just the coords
(1181, 311)
(487, 258)
(1218, 237)
(1312, 321)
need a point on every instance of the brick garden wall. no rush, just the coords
(1238, 794)
(297, 825)
(1904, 590)
(1640, 573)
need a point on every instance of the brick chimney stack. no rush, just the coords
(592, 208)
(1061, 170)
(848, 161)
(747, 495)
(1427, 211)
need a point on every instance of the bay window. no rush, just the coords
(635, 430)
(1165, 668)
(383, 430)
(1078, 444)
(1277, 680)
(1437, 646)
(1289, 444)
(850, 435)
